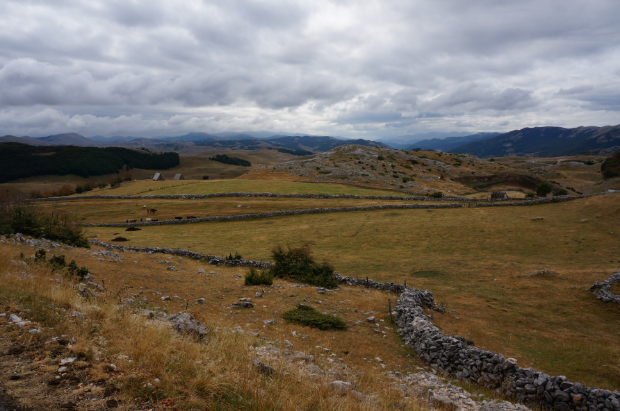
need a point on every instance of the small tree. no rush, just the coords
(298, 265)
(560, 192)
(543, 189)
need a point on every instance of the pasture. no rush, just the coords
(473, 260)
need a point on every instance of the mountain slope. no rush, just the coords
(68, 139)
(449, 143)
(24, 140)
(545, 142)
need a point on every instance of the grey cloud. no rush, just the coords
(335, 66)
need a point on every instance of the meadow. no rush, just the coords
(473, 260)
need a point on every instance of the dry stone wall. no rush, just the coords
(603, 290)
(454, 356)
(212, 259)
(275, 214)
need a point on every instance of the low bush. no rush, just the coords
(407, 179)
(436, 194)
(543, 189)
(297, 264)
(254, 277)
(27, 219)
(57, 262)
(232, 257)
(74, 270)
(325, 172)
(308, 316)
(560, 192)
(611, 166)
(530, 195)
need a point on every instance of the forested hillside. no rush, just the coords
(21, 160)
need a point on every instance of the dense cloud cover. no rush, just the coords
(349, 68)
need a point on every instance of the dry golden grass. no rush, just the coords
(217, 374)
(471, 259)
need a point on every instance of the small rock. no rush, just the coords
(271, 321)
(320, 290)
(370, 319)
(288, 344)
(340, 387)
(34, 331)
(249, 300)
(200, 301)
(186, 323)
(201, 271)
(259, 295)
(244, 304)
(166, 298)
(62, 369)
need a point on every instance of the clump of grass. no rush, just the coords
(253, 277)
(297, 264)
(308, 316)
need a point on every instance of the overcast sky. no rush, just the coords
(364, 69)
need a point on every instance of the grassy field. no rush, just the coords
(118, 211)
(148, 187)
(472, 259)
(191, 375)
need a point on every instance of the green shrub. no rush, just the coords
(560, 192)
(205, 177)
(57, 262)
(297, 264)
(407, 179)
(543, 189)
(40, 255)
(325, 172)
(74, 270)
(436, 194)
(253, 277)
(530, 195)
(380, 158)
(30, 220)
(237, 256)
(310, 317)
(414, 162)
(611, 166)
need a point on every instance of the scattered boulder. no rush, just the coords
(371, 320)
(186, 323)
(243, 304)
(200, 301)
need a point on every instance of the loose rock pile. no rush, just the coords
(603, 290)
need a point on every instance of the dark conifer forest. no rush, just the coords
(20, 160)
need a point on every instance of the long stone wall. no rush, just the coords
(603, 290)
(275, 214)
(454, 356)
(212, 259)
(243, 194)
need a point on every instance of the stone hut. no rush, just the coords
(158, 177)
(179, 176)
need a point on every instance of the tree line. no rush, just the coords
(223, 158)
(21, 160)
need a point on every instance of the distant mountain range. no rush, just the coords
(533, 142)
(546, 142)
(192, 141)
(450, 143)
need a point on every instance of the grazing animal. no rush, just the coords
(133, 221)
(153, 211)
(154, 220)
(190, 216)
(178, 218)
